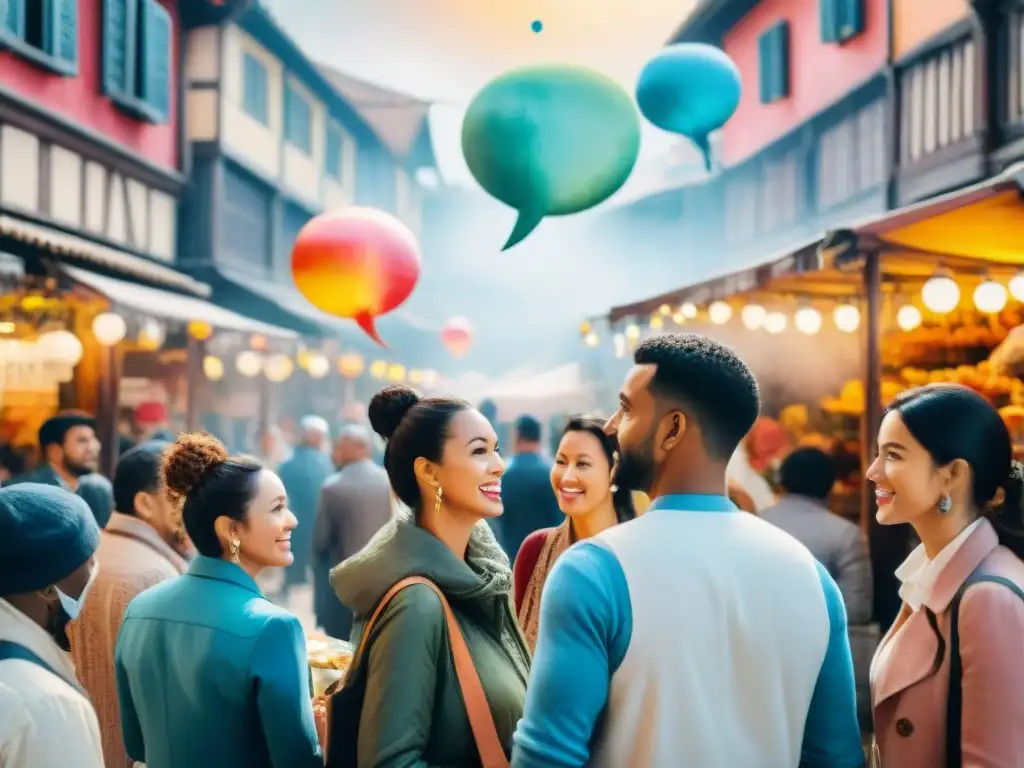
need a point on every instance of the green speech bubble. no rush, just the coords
(550, 140)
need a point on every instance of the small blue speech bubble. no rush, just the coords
(550, 140)
(690, 89)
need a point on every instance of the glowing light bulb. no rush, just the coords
(752, 316)
(940, 294)
(775, 322)
(807, 320)
(847, 318)
(689, 310)
(908, 317)
(719, 313)
(990, 297)
(1017, 286)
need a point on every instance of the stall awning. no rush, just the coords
(804, 258)
(65, 244)
(981, 223)
(171, 306)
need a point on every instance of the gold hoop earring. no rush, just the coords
(437, 500)
(236, 546)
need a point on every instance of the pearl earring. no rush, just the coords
(945, 504)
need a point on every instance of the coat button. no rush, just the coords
(904, 727)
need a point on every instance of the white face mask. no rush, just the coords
(72, 607)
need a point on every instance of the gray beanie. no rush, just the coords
(46, 534)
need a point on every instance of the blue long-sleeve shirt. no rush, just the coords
(587, 628)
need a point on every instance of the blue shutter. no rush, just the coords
(828, 16)
(14, 18)
(60, 34)
(782, 60)
(851, 21)
(765, 66)
(157, 31)
(332, 157)
(118, 47)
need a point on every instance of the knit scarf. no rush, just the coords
(555, 544)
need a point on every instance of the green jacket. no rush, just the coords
(413, 713)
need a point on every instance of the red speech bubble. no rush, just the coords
(357, 263)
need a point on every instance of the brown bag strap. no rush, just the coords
(492, 754)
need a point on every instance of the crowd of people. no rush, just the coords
(520, 613)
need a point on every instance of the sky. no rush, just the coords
(447, 50)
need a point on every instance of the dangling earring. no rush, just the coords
(945, 504)
(614, 488)
(236, 545)
(437, 500)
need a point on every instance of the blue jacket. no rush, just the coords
(529, 501)
(211, 673)
(94, 489)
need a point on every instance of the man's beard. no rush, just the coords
(636, 469)
(78, 470)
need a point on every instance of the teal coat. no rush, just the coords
(210, 674)
(94, 489)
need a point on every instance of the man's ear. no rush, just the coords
(674, 425)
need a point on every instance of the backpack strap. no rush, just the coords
(10, 650)
(954, 701)
(481, 721)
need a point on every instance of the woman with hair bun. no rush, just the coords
(210, 672)
(947, 680)
(443, 463)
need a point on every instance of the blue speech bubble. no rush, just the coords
(690, 89)
(550, 140)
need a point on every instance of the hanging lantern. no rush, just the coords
(807, 320)
(591, 339)
(585, 328)
(318, 366)
(665, 310)
(940, 294)
(278, 368)
(1017, 286)
(351, 366)
(457, 336)
(378, 368)
(151, 335)
(752, 316)
(719, 313)
(689, 310)
(249, 363)
(415, 376)
(109, 328)
(258, 342)
(908, 317)
(62, 347)
(990, 297)
(656, 323)
(775, 322)
(679, 318)
(632, 332)
(846, 317)
(200, 330)
(213, 368)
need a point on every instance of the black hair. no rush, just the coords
(528, 429)
(12, 459)
(622, 497)
(710, 380)
(138, 470)
(808, 472)
(413, 426)
(54, 430)
(199, 472)
(953, 422)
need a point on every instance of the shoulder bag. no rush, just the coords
(954, 702)
(345, 698)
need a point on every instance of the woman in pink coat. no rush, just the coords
(947, 680)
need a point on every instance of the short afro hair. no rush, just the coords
(808, 472)
(708, 379)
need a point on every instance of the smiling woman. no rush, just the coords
(238, 660)
(443, 462)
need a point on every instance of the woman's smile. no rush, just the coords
(492, 491)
